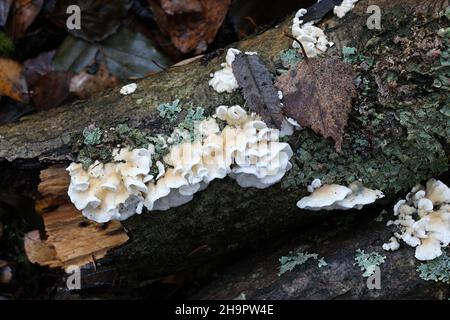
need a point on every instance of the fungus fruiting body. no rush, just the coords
(345, 7)
(245, 150)
(128, 89)
(423, 219)
(312, 38)
(223, 80)
(337, 197)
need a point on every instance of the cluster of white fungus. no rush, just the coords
(223, 80)
(337, 197)
(246, 150)
(312, 38)
(423, 219)
(346, 6)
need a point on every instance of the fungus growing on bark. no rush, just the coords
(345, 7)
(246, 149)
(128, 89)
(337, 197)
(223, 80)
(311, 37)
(423, 219)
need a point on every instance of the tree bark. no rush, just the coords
(256, 277)
(385, 154)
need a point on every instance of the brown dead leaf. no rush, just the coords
(256, 83)
(22, 16)
(51, 90)
(189, 28)
(318, 94)
(36, 67)
(181, 6)
(92, 80)
(12, 81)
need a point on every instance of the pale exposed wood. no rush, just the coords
(70, 238)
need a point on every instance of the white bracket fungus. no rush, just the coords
(224, 80)
(337, 197)
(312, 38)
(246, 150)
(346, 6)
(128, 89)
(423, 219)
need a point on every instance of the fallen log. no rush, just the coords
(395, 138)
(257, 276)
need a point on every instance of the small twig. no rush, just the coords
(156, 63)
(301, 45)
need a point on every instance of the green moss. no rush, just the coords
(437, 270)
(368, 261)
(6, 45)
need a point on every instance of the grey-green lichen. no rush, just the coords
(98, 144)
(368, 261)
(169, 110)
(241, 296)
(400, 124)
(437, 270)
(294, 259)
(92, 136)
(322, 263)
(348, 54)
(289, 262)
(290, 58)
(192, 116)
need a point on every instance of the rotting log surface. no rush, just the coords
(225, 217)
(337, 242)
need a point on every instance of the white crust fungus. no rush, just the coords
(423, 219)
(246, 150)
(346, 6)
(311, 37)
(128, 89)
(337, 197)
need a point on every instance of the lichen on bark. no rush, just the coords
(399, 125)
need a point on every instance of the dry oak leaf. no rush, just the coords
(12, 81)
(318, 94)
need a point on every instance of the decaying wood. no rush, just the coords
(219, 220)
(69, 238)
(256, 277)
